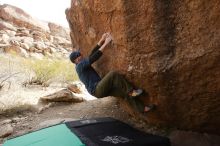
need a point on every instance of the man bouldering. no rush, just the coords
(112, 84)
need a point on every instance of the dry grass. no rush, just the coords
(7, 72)
(43, 72)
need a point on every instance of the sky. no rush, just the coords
(47, 10)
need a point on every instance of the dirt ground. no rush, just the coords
(27, 121)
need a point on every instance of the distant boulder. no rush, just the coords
(58, 30)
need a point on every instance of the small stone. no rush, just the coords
(6, 122)
(6, 130)
(25, 125)
(13, 124)
(24, 53)
(54, 122)
(16, 119)
(37, 56)
(74, 88)
(25, 46)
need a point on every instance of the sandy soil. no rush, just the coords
(106, 107)
(24, 122)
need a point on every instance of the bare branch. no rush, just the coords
(11, 75)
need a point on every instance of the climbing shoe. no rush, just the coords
(135, 93)
(149, 107)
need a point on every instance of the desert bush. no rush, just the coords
(48, 70)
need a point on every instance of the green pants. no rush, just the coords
(114, 84)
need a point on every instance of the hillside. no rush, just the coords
(30, 37)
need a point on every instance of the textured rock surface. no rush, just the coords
(187, 138)
(169, 48)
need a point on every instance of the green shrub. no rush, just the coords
(48, 70)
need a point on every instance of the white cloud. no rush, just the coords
(48, 10)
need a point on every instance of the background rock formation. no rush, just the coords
(168, 47)
(30, 37)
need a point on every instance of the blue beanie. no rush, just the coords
(74, 55)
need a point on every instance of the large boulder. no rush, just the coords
(168, 48)
(63, 95)
(13, 49)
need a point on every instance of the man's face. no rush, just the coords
(78, 59)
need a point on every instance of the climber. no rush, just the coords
(113, 84)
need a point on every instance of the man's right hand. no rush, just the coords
(104, 36)
(102, 40)
(108, 39)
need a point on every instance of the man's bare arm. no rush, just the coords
(97, 54)
(107, 41)
(99, 44)
(102, 40)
